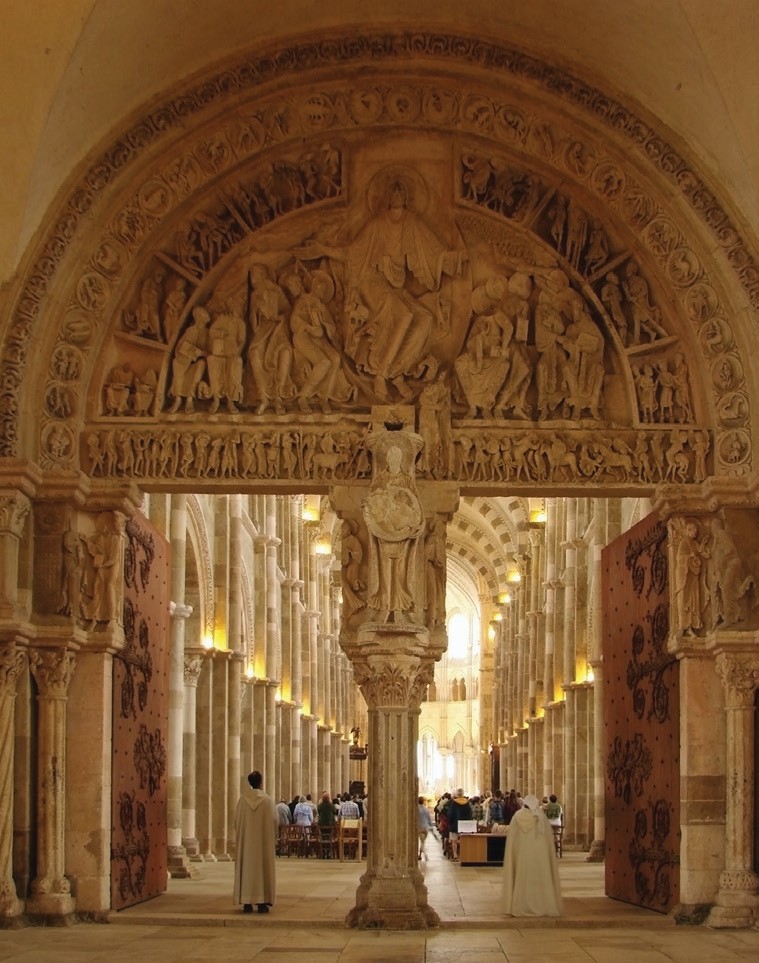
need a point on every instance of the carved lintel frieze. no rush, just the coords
(52, 670)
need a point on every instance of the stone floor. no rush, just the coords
(195, 920)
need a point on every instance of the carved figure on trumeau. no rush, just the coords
(731, 588)
(351, 559)
(395, 521)
(434, 573)
(188, 366)
(689, 552)
(270, 350)
(226, 337)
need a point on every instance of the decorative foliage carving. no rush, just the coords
(652, 547)
(150, 759)
(52, 670)
(646, 670)
(650, 856)
(139, 555)
(629, 766)
(137, 662)
(130, 856)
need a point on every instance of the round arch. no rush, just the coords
(522, 169)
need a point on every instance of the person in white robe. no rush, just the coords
(530, 869)
(256, 825)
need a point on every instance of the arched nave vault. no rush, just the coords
(433, 267)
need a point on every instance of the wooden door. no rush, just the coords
(641, 706)
(139, 854)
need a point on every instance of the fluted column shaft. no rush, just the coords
(738, 896)
(12, 661)
(51, 891)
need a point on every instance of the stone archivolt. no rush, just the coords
(611, 287)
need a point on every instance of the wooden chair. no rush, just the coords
(558, 837)
(326, 845)
(349, 839)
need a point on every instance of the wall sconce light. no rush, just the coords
(207, 642)
(249, 672)
(504, 598)
(514, 576)
(310, 513)
(323, 547)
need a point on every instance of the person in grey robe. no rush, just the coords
(256, 825)
(530, 868)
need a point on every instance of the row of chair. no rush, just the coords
(344, 840)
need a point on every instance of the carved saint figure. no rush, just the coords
(435, 571)
(226, 337)
(189, 363)
(352, 555)
(393, 515)
(691, 593)
(71, 574)
(270, 352)
(728, 582)
(105, 552)
(317, 358)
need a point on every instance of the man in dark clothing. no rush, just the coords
(458, 809)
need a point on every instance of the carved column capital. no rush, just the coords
(391, 682)
(14, 509)
(193, 666)
(12, 661)
(739, 674)
(52, 670)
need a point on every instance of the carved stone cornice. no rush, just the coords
(709, 496)
(739, 675)
(52, 670)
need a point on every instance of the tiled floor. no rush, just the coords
(195, 920)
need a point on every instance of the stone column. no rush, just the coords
(12, 661)
(737, 903)
(393, 654)
(178, 862)
(51, 891)
(193, 663)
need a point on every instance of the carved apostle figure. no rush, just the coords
(226, 337)
(395, 520)
(691, 594)
(189, 363)
(270, 353)
(105, 551)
